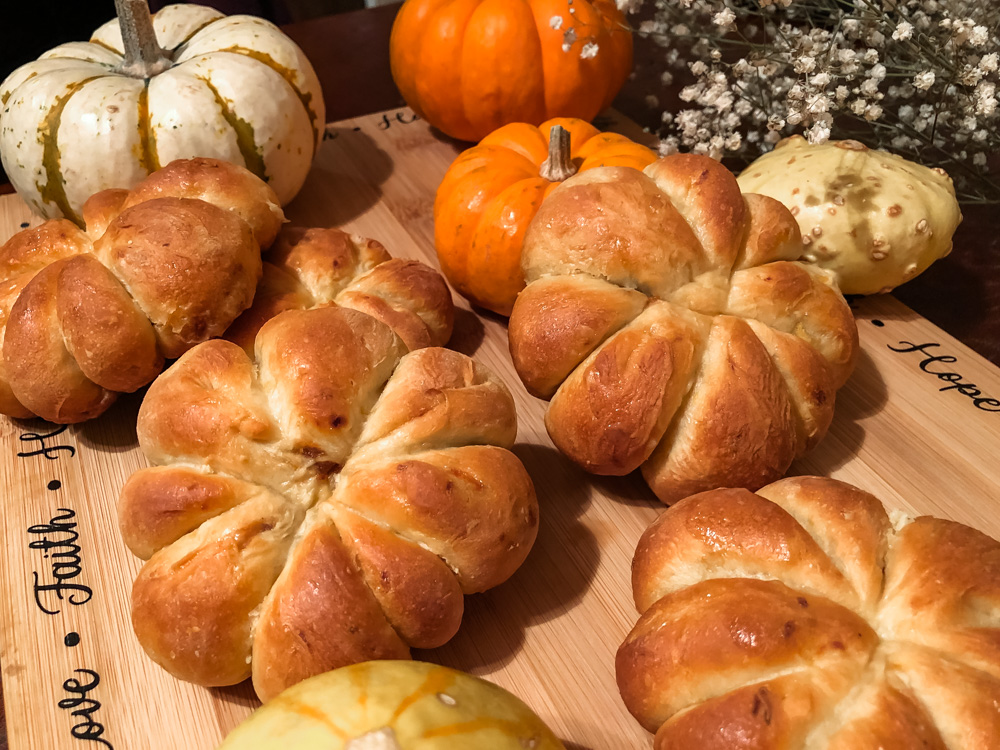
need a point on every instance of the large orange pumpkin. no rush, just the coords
(492, 192)
(470, 66)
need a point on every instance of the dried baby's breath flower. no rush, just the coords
(903, 31)
(918, 77)
(925, 80)
(724, 18)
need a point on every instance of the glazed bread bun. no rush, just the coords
(315, 267)
(85, 315)
(324, 500)
(669, 323)
(804, 616)
(220, 183)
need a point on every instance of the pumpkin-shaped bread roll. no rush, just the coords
(323, 500)
(804, 616)
(669, 323)
(219, 183)
(85, 315)
(316, 267)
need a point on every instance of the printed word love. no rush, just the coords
(82, 708)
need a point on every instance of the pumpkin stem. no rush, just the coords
(144, 57)
(559, 166)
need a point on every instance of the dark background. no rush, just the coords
(25, 33)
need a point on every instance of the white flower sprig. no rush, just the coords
(575, 31)
(916, 77)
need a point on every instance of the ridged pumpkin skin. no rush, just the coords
(393, 705)
(492, 192)
(73, 124)
(470, 66)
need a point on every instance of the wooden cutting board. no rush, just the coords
(917, 424)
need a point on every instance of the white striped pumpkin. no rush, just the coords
(74, 122)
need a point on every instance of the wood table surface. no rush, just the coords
(960, 293)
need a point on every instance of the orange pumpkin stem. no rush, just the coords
(559, 166)
(144, 57)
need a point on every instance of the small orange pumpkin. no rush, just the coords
(470, 66)
(492, 192)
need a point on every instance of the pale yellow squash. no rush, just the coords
(393, 705)
(873, 218)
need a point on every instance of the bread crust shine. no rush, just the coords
(85, 315)
(801, 616)
(325, 499)
(668, 322)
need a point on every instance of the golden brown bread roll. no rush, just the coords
(220, 183)
(324, 500)
(100, 209)
(21, 257)
(668, 322)
(87, 315)
(315, 267)
(803, 616)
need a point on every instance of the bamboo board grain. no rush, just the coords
(550, 633)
